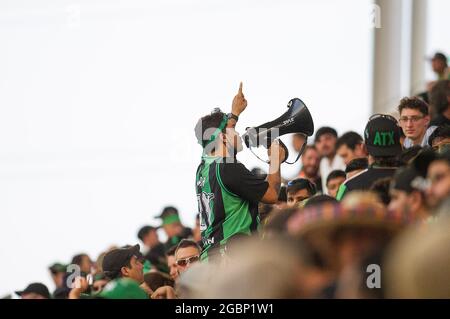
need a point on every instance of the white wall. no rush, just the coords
(98, 100)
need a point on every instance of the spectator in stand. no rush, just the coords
(440, 66)
(407, 196)
(382, 139)
(414, 120)
(187, 253)
(347, 237)
(173, 227)
(84, 262)
(310, 166)
(57, 271)
(438, 175)
(149, 237)
(356, 166)
(154, 250)
(298, 190)
(350, 146)
(381, 188)
(334, 180)
(325, 142)
(34, 291)
(440, 136)
(440, 103)
(126, 262)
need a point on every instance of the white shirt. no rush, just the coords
(407, 143)
(326, 167)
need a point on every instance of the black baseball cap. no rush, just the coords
(36, 288)
(407, 179)
(382, 136)
(117, 258)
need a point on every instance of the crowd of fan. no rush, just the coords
(367, 217)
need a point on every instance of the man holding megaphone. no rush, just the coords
(227, 192)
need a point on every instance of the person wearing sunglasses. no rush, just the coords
(298, 190)
(414, 121)
(186, 254)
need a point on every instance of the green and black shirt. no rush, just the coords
(228, 196)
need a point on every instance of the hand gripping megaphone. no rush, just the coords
(296, 120)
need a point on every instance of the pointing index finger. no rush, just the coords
(240, 88)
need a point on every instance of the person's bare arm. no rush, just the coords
(238, 106)
(276, 155)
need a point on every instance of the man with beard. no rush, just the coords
(325, 142)
(438, 176)
(310, 166)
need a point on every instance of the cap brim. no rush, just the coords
(19, 293)
(384, 151)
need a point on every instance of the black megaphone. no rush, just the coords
(297, 119)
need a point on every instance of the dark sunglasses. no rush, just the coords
(189, 260)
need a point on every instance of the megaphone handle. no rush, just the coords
(286, 151)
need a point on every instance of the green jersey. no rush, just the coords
(228, 196)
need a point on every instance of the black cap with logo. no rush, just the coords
(382, 136)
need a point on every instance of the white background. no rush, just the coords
(98, 100)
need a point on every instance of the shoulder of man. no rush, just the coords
(238, 180)
(352, 183)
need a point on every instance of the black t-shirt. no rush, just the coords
(364, 180)
(242, 182)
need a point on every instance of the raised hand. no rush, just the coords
(239, 102)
